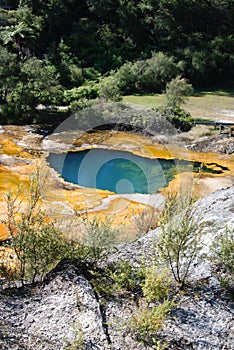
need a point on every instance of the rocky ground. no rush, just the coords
(21, 148)
(65, 309)
(65, 313)
(216, 144)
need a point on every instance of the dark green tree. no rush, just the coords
(8, 73)
(38, 84)
(24, 32)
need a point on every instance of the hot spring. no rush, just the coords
(122, 172)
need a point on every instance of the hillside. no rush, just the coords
(66, 310)
(68, 53)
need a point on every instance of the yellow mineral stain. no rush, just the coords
(7, 179)
(179, 184)
(122, 212)
(145, 147)
(8, 147)
(116, 137)
(198, 185)
(3, 232)
(77, 199)
(65, 198)
(8, 259)
(160, 151)
(92, 138)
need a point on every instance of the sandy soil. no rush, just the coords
(211, 112)
(155, 200)
(208, 185)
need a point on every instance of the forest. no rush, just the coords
(68, 52)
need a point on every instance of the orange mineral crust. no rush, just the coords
(21, 152)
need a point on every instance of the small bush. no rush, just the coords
(38, 247)
(82, 103)
(146, 220)
(88, 90)
(157, 284)
(180, 237)
(34, 241)
(109, 89)
(149, 75)
(178, 117)
(158, 71)
(223, 249)
(176, 91)
(146, 323)
(125, 277)
(99, 237)
(128, 76)
(117, 278)
(156, 305)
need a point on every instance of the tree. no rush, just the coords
(8, 73)
(159, 69)
(149, 75)
(180, 237)
(38, 83)
(176, 91)
(20, 35)
(223, 259)
(109, 89)
(34, 240)
(24, 32)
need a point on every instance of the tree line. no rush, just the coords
(49, 48)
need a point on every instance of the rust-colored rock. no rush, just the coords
(21, 151)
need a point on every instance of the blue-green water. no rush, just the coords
(118, 171)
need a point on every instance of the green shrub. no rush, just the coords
(99, 237)
(149, 75)
(70, 74)
(125, 277)
(149, 318)
(117, 278)
(157, 284)
(38, 84)
(178, 117)
(129, 76)
(101, 282)
(158, 71)
(91, 74)
(82, 103)
(38, 247)
(89, 90)
(36, 243)
(109, 89)
(223, 260)
(179, 238)
(176, 91)
(146, 323)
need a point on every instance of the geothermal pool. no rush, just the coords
(123, 172)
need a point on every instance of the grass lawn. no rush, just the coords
(215, 104)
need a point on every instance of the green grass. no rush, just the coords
(154, 100)
(208, 104)
(224, 91)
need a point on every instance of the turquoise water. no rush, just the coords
(118, 171)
